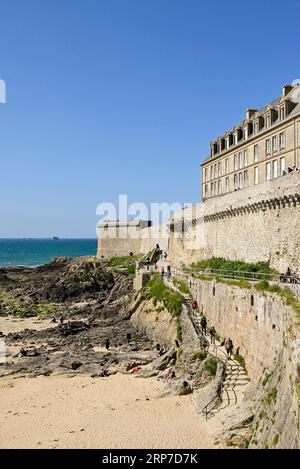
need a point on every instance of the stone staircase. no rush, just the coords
(235, 377)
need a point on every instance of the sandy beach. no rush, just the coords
(81, 412)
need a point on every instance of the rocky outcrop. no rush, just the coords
(155, 322)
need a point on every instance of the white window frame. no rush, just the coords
(274, 143)
(241, 180)
(256, 174)
(268, 171)
(275, 169)
(268, 147)
(236, 162)
(235, 181)
(256, 153)
(282, 165)
(227, 184)
(245, 158)
(226, 166)
(241, 160)
(282, 141)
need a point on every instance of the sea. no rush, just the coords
(33, 252)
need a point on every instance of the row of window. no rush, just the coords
(241, 159)
(250, 128)
(240, 180)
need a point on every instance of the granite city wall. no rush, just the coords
(260, 223)
(267, 332)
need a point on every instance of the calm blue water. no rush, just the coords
(30, 252)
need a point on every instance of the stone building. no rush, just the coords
(263, 147)
(120, 238)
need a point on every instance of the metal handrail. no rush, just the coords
(245, 275)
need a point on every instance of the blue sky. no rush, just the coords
(124, 96)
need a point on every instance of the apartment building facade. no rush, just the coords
(263, 147)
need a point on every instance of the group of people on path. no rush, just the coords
(228, 344)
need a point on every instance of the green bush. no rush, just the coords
(219, 263)
(122, 261)
(263, 285)
(182, 286)
(211, 365)
(241, 360)
(200, 355)
(172, 301)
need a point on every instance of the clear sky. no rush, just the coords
(123, 96)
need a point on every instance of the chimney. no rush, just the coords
(286, 89)
(250, 113)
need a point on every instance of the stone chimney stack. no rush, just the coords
(250, 113)
(286, 89)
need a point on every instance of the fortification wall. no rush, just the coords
(266, 331)
(260, 223)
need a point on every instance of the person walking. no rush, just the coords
(229, 347)
(212, 334)
(203, 323)
(107, 344)
(169, 272)
(162, 272)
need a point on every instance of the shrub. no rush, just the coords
(219, 263)
(240, 359)
(200, 355)
(182, 286)
(171, 300)
(263, 285)
(211, 365)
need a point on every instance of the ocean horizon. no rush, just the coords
(31, 252)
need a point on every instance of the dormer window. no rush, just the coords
(238, 135)
(268, 121)
(213, 149)
(282, 113)
(228, 140)
(221, 144)
(247, 129)
(258, 123)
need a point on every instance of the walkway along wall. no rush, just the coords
(268, 334)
